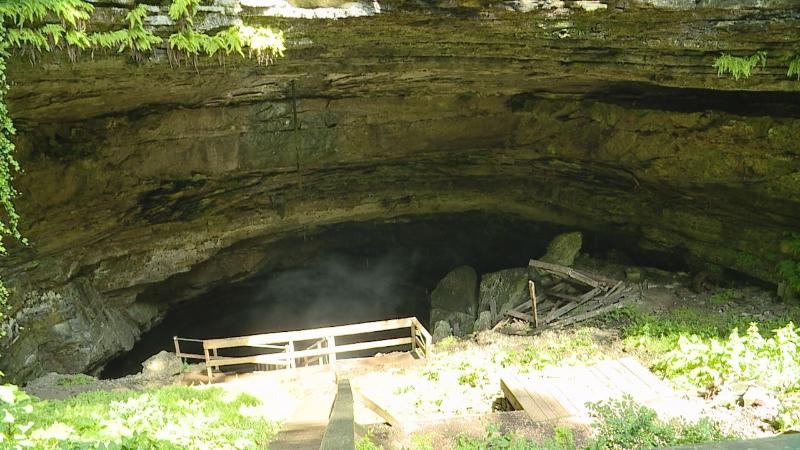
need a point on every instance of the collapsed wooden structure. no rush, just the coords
(574, 296)
(290, 349)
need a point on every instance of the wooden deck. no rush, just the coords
(562, 393)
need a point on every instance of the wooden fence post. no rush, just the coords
(331, 351)
(208, 363)
(532, 292)
(290, 354)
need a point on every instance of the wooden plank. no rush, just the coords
(634, 385)
(549, 403)
(377, 409)
(340, 433)
(556, 313)
(571, 298)
(280, 358)
(303, 335)
(513, 388)
(532, 294)
(612, 291)
(607, 385)
(647, 377)
(541, 406)
(191, 355)
(565, 271)
(518, 315)
(588, 315)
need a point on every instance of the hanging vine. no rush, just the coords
(9, 218)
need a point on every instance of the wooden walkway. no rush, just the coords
(562, 393)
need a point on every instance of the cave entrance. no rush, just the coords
(352, 273)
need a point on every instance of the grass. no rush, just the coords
(166, 418)
(561, 348)
(75, 380)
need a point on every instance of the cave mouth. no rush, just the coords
(360, 272)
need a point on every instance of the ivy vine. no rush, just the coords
(9, 218)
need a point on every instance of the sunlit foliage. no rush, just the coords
(739, 67)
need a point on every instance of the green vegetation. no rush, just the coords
(620, 424)
(794, 68)
(789, 269)
(697, 350)
(9, 218)
(24, 19)
(75, 380)
(723, 296)
(560, 349)
(623, 424)
(711, 363)
(187, 44)
(739, 67)
(494, 439)
(470, 376)
(167, 418)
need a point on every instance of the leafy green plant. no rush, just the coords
(739, 67)
(496, 440)
(365, 443)
(794, 68)
(470, 376)
(8, 168)
(624, 425)
(711, 363)
(163, 418)
(136, 38)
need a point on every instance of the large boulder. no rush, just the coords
(162, 364)
(455, 300)
(504, 289)
(564, 248)
(441, 330)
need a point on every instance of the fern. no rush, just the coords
(794, 68)
(23, 12)
(27, 38)
(136, 17)
(231, 41)
(265, 43)
(739, 67)
(55, 33)
(78, 39)
(183, 10)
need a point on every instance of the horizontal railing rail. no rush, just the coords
(323, 350)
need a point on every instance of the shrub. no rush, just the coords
(625, 425)
(711, 363)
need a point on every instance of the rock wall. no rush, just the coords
(147, 185)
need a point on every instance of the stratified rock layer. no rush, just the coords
(147, 185)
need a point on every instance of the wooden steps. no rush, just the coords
(562, 393)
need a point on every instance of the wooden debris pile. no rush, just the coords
(567, 296)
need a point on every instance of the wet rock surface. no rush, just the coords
(455, 300)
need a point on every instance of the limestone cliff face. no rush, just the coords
(147, 185)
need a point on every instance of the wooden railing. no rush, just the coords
(323, 348)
